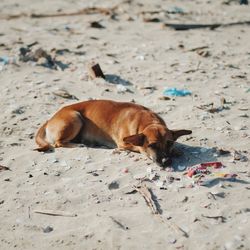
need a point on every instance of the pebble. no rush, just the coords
(125, 170)
(48, 229)
(172, 240)
(113, 185)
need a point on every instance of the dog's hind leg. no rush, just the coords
(63, 128)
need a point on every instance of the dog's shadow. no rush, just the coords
(195, 155)
(115, 79)
(192, 155)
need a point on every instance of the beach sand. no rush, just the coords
(92, 189)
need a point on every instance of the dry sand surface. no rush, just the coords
(92, 189)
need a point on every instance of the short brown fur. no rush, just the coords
(124, 125)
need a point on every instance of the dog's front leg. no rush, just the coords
(129, 148)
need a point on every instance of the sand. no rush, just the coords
(140, 59)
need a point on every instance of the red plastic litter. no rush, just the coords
(214, 164)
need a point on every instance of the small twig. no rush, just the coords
(118, 223)
(202, 26)
(198, 65)
(223, 219)
(198, 48)
(85, 11)
(29, 212)
(212, 195)
(147, 195)
(55, 213)
(177, 228)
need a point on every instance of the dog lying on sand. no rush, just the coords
(127, 126)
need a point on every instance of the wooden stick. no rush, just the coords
(118, 223)
(55, 213)
(202, 26)
(147, 195)
(95, 71)
(85, 11)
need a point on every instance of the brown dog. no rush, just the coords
(113, 124)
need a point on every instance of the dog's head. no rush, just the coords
(156, 141)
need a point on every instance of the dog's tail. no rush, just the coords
(40, 139)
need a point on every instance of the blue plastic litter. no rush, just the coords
(176, 92)
(4, 60)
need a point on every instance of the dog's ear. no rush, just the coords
(177, 133)
(136, 140)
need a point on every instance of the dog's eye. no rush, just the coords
(152, 145)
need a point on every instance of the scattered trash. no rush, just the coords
(204, 175)
(4, 60)
(151, 174)
(161, 184)
(95, 71)
(18, 111)
(238, 156)
(209, 108)
(121, 88)
(202, 168)
(64, 94)
(176, 92)
(41, 57)
(221, 151)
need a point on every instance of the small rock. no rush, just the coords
(125, 170)
(113, 185)
(18, 111)
(172, 240)
(185, 199)
(48, 229)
